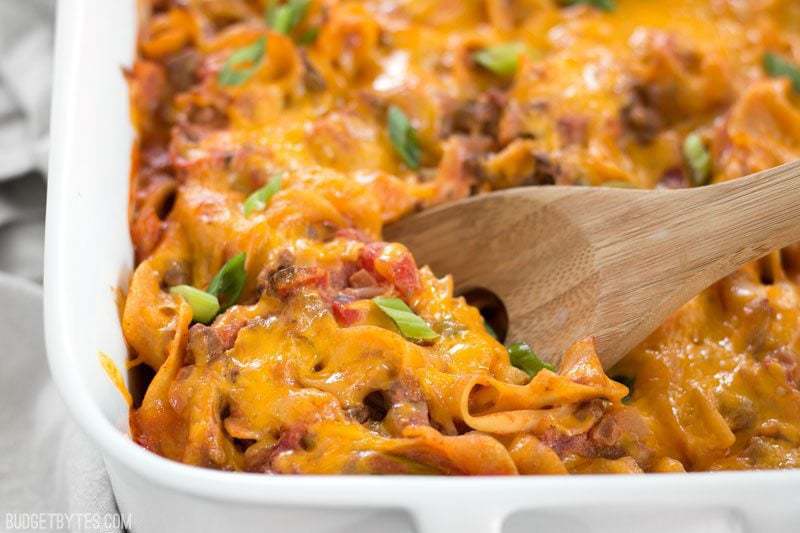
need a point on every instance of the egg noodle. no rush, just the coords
(275, 139)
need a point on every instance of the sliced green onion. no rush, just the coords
(628, 382)
(309, 36)
(775, 66)
(204, 306)
(698, 158)
(404, 137)
(259, 199)
(282, 21)
(410, 325)
(284, 18)
(227, 285)
(603, 5)
(243, 63)
(522, 356)
(502, 59)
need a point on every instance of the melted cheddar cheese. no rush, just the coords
(305, 374)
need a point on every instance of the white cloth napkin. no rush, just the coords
(52, 478)
(26, 42)
(50, 472)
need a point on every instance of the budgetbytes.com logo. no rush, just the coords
(80, 522)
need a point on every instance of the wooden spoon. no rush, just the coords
(570, 262)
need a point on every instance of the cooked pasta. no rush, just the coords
(275, 139)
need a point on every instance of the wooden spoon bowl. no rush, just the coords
(571, 262)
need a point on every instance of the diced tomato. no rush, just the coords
(402, 271)
(346, 315)
(406, 275)
(369, 253)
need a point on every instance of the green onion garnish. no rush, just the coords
(309, 36)
(698, 158)
(205, 306)
(404, 137)
(243, 63)
(502, 59)
(284, 18)
(775, 65)
(628, 382)
(259, 199)
(603, 5)
(522, 356)
(227, 285)
(410, 325)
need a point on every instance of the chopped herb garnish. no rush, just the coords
(502, 59)
(776, 65)
(204, 306)
(698, 159)
(603, 5)
(522, 356)
(410, 325)
(259, 199)
(282, 21)
(284, 18)
(227, 285)
(243, 63)
(309, 36)
(628, 382)
(403, 137)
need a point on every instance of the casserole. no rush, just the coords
(89, 254)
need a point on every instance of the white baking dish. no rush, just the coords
(89, 253)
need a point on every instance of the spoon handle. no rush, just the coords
(734, 222)
(685, 241)
(755, 214)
